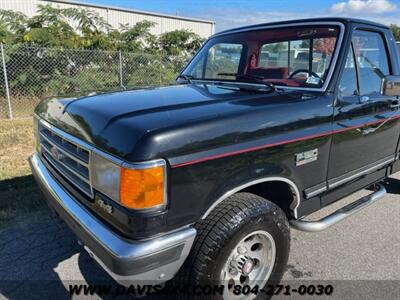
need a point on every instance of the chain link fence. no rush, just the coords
(30, 74)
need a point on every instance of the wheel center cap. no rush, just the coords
(248, 266)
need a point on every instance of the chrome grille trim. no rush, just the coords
(81, 185)
(63, 151)
(79, 153)
(67, 167)
(67, 156)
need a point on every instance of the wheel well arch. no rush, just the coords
(271, 188)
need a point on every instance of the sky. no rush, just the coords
(233, 13)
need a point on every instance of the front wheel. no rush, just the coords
(242, 245)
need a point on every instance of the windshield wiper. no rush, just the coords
(250, 79)
(188, 78)
(256, 79)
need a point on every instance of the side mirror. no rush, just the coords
(390, 86)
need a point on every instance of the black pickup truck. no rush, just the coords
(201, 180)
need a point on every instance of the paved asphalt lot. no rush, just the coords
(359, 255)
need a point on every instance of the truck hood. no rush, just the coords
(138, 125)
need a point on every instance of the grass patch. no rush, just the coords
(21, 202)
(16, 144)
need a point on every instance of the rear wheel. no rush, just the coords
(243, 245)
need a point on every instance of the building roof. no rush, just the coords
(132, 11)
(315, 20)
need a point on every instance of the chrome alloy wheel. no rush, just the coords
(250, 263)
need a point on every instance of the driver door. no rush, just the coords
(365, 132)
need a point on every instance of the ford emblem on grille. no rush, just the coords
(56, 154)
(67, 157)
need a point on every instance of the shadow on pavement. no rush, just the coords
(21, 203)
(392, 185)
(29, 258)
(33, 244)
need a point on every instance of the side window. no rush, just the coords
(274, 55)
(198, 69)
(223, 61)
(372, 60)
(348, 83)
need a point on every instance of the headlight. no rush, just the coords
(135, 186)
(105, 176)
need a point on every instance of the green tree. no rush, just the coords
(50, 27)
(396, 31)
(40, 61)
(93, 29)
(137, 37)
(179, 42)
(12, 26)
(5, 34)
(81, 28)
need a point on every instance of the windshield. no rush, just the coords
(292, 56)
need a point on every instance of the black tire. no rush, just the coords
(227, 225)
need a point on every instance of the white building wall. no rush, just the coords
(116, 16)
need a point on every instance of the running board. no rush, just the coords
(340, 214)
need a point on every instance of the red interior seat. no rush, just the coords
(285, 82)
(269, 73)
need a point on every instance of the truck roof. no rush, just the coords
(315, 20)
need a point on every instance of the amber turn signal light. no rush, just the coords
(142, 188)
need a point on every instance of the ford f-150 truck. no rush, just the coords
(200, 181)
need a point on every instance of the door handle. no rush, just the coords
(364, 99)
(395, 104)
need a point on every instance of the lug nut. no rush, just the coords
(233, 271)
(241, 250)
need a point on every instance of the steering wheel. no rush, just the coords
(304, 71)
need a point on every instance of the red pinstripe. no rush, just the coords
(313, 136)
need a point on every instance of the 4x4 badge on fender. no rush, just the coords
(108, 208)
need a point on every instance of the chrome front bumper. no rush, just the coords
(151, 261)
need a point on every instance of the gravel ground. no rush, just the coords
(359, 256)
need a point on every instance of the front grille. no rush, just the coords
(69, 158)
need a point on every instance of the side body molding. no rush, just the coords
(295, 191)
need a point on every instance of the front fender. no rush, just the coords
(196, 189)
